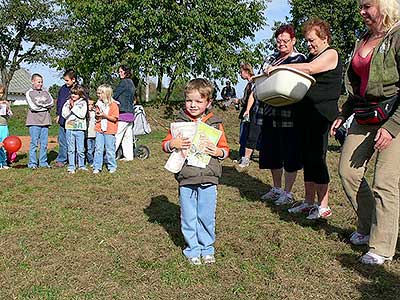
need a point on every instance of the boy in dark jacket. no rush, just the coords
(198, 186)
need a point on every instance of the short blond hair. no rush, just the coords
(106, 89)
(202, 85)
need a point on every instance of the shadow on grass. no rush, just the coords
(167, 214)
(249, 187)
(379, 284)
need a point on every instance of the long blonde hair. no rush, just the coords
(106, 89)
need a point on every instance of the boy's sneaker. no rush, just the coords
(59, 164)
(272, 195)
(244, 162)
(83, 169)
(209, 259)
(318, 212)
(194, 261)
(357, 238)
(285, 198)
(71, 171)
(112, 171)
(303, 207)
(373, 259)
(96, 171)
(4, 167)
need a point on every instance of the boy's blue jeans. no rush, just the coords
(90, 142)
(62, 146)
(76, 146)
(39, 135)
(243, 135)
(107, 141)
(198, 204)
(3, 153)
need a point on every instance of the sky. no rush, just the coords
(276, 10)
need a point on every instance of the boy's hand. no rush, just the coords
(56, 119)
(211, 149)
(180, 143)
(1, 144)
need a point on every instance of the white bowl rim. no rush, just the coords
(309, 77)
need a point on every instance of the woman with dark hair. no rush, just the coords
(316, 112)
(124, 94)
(280, 143)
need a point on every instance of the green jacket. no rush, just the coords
(384, 79)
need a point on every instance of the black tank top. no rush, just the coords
(325, 94)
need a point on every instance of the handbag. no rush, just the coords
(374, 113)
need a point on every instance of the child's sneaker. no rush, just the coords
(96, 171)
(285, 198)
(112, 171)
(71, 171)
(303, 207)
(319, 212)
(373, 259)
(194, 260)
(357, 238)
(209, 259)
(4, 167)
(244, 162)
(83, 169)
(272, 195)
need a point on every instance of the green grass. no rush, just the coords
(118, 236)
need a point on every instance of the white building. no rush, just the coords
(19, 85)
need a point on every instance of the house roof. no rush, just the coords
(20, 83)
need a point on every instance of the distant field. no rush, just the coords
(118, 236)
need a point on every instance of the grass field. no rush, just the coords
(118, 236)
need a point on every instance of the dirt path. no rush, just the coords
(27, 139)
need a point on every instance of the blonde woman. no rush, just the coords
(372, 80)
(107, 113)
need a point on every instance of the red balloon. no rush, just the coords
(12, 143)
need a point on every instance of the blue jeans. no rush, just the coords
(39, 134)
(3, 153)
(198, 204)
(76, 146)
(243, 135)
(107, 141)
(90, 143)
(62, 146)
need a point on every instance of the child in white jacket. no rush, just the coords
(74, 111)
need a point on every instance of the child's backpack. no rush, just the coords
(140, 125)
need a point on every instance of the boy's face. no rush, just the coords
(75, 97)
(91, 104)
(195, 104)
(37, 83)
(69, 81)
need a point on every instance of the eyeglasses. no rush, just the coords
(278, 41)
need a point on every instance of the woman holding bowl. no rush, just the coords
(315, 114)
(372, 81)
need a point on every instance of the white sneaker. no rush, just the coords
(71, 171)
(96, 171)
(244, 162)
(285, 198)
(318, 212)
(357, 238)
(272, 195)
(370, 258)
(4, 167)
(209, 259)
(303, 207)
(194, 260)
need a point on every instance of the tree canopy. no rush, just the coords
(342, 15)
(161, 37)
(28, 29)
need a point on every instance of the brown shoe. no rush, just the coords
(59, 164)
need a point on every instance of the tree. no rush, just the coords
(27, 30)
(161, 38)
(342, 15)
